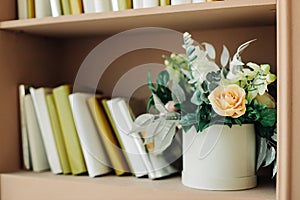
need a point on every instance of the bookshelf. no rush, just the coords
(49, 51)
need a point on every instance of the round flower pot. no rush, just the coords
(220, 158)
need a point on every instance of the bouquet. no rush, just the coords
(194, 91)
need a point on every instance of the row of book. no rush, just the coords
(78, 133)
(43, 8)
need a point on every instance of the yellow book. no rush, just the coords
(108, 137)
(59, 140)
(124, 4)
(68, 128)
(66, 7)
(165, 2)
(30, 9)
(76, 6)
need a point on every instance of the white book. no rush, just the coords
(56, 8)
(115, 5)
(88, 6)
(42, 113)
(157, 166)
(93, 149)
(42, 8)
(36, 145)
(23, 90)
(22, 9)
(177, 2)
(128, 143)
(150, 3)
(198, 1)
(102, 5)
(138, 4)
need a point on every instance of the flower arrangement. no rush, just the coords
(193, 91)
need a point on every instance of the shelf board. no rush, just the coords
(48, 186)
(200, 16)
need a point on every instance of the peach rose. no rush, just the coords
(228, 100)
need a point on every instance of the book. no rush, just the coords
(76, 6)
(30, 9)
(37, 150)
(121, 4)
(198, 1)
(157, 166)
(59, 140)
(150, 3)
(127, 142)
(108, 137)
(164, 2)
(66, 9)
(42, 8)
(68, 128)
(42, 113)
(177, 2)
(22, 9)
(56, 9)
(23, 90)
(88, 6)
(102, 5)
(93, 149)
(137, 4)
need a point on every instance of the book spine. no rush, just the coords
(198, 1)
(22, 9)
(68, 128)
(165, 2)
(137, 4)
(36, 146)
(102, 5)
(56, 8)
(59, 140)
(124, 4)
(42, 8)
(76, 6)
(88, 6)
(92, 147)
(177, 2)
(42, 113)
(66, 7)
(108, 137)
(150, 3)
(30, 9)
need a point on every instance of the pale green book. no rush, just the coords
(66, 7)
(59, 140)
(165, 2)
(65, 117)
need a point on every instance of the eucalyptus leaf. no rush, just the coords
(163, 78)
(189, 119)
(210, 50)
(270, 156)
(141, 122)
(196, 98)
(163, 138)
(262, 152)
(225, 56)
(274, 169)
(159, 105)
(178, 92)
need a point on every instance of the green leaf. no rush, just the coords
(270, 156)
(268, 117)
(196, 98)
(189, 119)
(163, 78)
(150, 103)
(150, 84)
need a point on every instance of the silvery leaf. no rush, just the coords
(261, 152)
(141, 122)
(196, 98)
(270, 157)
(163, 139)
(274, 169)
(159, 105)
(274, 137)
(225, 56)
(243, 46)
(178, 92)
(210, 50)
(153, 129)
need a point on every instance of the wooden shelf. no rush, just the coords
(200, 16)
(48, 186)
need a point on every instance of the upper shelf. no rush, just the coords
(210, 15)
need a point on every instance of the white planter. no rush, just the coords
(220, 158)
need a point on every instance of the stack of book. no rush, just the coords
(81, 133)
(43, 8)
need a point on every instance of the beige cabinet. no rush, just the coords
(49, 52)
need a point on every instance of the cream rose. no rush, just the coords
(228, 100)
